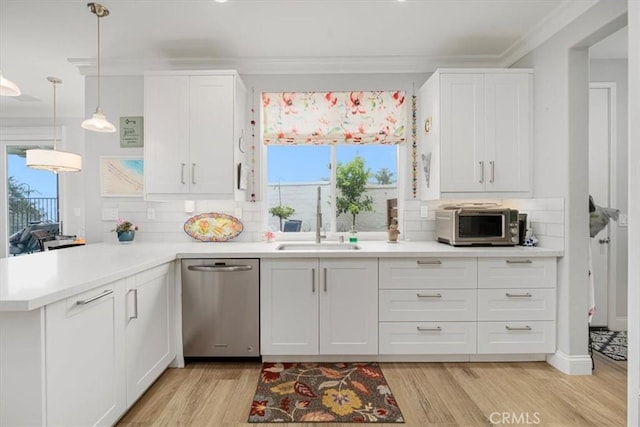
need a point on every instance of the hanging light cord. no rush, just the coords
(98, 17)
(55, 121)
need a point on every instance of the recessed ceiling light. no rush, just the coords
(221, 1)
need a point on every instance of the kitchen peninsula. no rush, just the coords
(109, 314)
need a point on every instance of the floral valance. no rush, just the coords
(320, 118)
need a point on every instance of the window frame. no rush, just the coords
(332, 234)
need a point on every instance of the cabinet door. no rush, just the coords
(508, 131)
(166, 134)
(149, 343)
(463, 165)
(212, 144)
(84, 371)
(289, 307)
(349, 306)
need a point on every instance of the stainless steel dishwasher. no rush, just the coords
(220, 307)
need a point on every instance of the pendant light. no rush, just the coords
(7, 87)
(98, 122)
(54, 160)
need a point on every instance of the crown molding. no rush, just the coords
(562, 15)
(287, 65)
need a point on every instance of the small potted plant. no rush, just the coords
(125, 230)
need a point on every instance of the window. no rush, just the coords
(344, 143)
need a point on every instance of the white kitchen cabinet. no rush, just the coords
(319, 306)
(428, 305)
(84, 360)
(193, 128)
(475, 133)
(516, 305)
(84, 350)
(149, 334)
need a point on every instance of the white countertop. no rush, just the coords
(32, 281)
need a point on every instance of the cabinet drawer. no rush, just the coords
(516, 304)
(428, 305)
(433, 273)
(516, 337)
(517, 272)
(427, 338)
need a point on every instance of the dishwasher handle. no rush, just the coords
(220, 268)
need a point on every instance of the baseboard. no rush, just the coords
(571, 365)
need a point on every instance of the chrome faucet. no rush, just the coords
(318, 217)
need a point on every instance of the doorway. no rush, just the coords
(602, 137)
(32, 202)
(608, 175)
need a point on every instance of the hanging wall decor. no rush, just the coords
(253, 146)
(414, 147)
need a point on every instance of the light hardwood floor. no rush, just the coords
(429, 394)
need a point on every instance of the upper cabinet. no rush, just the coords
(193, 127)
(475, 133)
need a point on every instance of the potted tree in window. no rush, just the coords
(283, 212)
(351, 180)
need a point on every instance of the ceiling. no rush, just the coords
(40, 38)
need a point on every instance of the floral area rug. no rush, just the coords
(611, 344)
(323, 392)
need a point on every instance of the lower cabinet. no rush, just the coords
(319, 306)
(467, 305)
(84, 360)
(516, 305)
(428, 306)
(149, 335)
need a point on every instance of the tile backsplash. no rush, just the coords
(170, 216)
(546, 217)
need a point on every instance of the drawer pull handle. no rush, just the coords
(511, 328)
(519, 261)
(313, 280)
(429, 262)
(325, 279)
(429, 295)
(436, 329)
(527, 295)
(135, 303)
(94, 298)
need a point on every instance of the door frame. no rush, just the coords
(613, 321)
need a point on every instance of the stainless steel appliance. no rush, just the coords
(477, 226)
(522, 228)
(220, 307)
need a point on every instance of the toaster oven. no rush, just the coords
(477, 226)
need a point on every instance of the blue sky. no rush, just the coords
(43, 182)
(305, 163)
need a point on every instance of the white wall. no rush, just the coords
(615, 70)
(560, 150)
(633, 366)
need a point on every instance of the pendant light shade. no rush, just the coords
(54, 160)
(7, 87)
(98, 122)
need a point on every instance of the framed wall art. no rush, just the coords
(121, 176)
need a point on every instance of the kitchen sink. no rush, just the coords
(316, 247)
